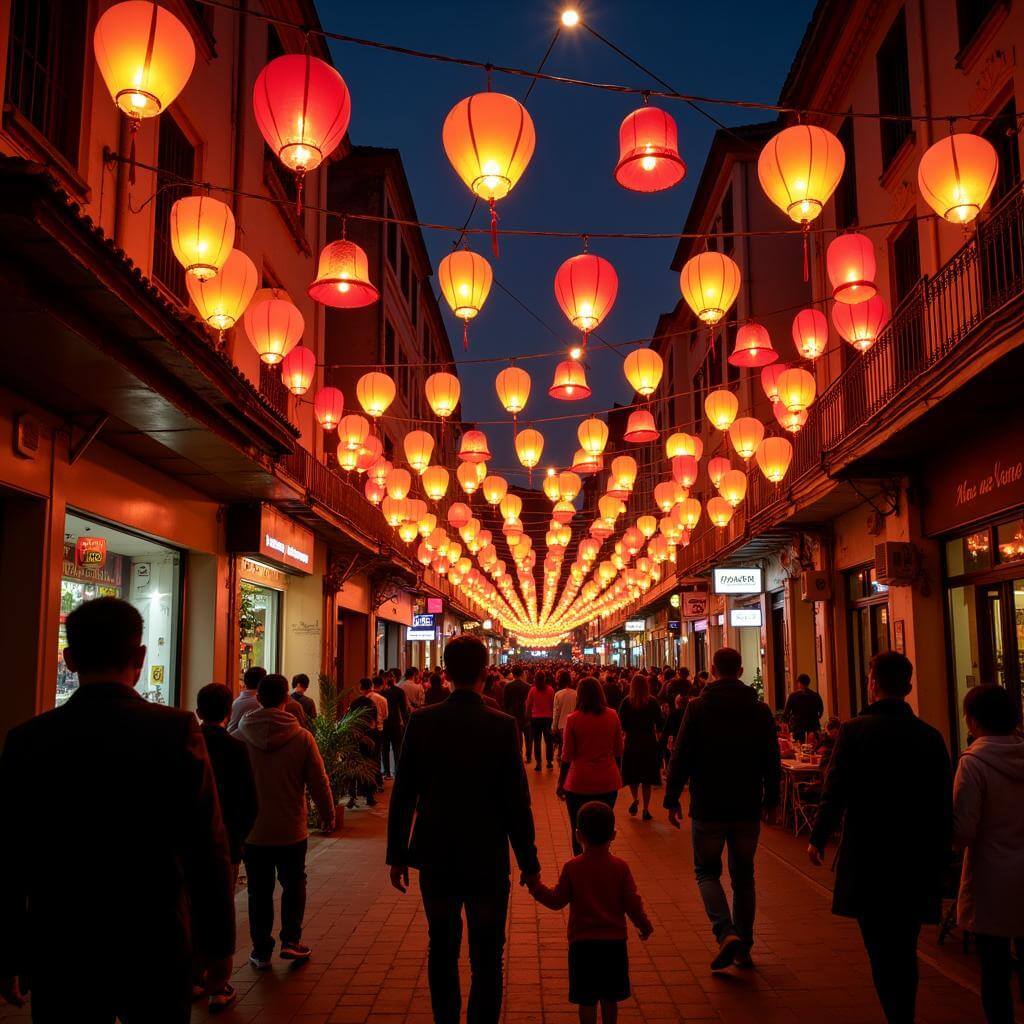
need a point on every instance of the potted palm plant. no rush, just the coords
(341, 737)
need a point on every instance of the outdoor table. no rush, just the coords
(792, 771)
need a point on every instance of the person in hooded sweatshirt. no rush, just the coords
(285, 762)
(988, 793)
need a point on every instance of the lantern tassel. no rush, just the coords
(133, 130)
(807, 256)
(299, 180)
(494, 227)
(465, 335)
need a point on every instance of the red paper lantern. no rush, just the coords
(684, 470)
(810, 333)
(770, 380)
(640, 428)
(343, 277)
(570, 383)
(474, 447)
(585, 287)
(861, 323)
(297, 369)
(753, 347)
(328, 407)
(649, 159)
(851, 267)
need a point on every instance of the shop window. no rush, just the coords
(893, 73)
(1002, 133)
(971, 15)
(969, 554)
(176, 158)
(846, 192)
(1010, 541)
(101, 561)
(259, 618)
(45, 61)
(863, 583)
(868, 626)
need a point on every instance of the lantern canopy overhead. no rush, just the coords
(710, 282)
(956, 176)
(799, 169)
(585, 288)
(343, 277)
(145, 55)
(649, 159)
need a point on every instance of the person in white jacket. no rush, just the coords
(564, 704)
(988, 794)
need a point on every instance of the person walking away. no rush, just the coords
(564, 706)
(540, 707)
(728, 754)
(803, 709)
(613, 692)
(670, 728)
(591, 749)
(369, 742)
(460, 798)
(246, 701)
(600, 892)
(300, 684)
(285, 762)
(435, 691)
(236, 790)
(381, 703)
(412, 689)
(394, 724)
(107, 896)
(513, 702)
(640, 715)
(988, 793)
(890, 777)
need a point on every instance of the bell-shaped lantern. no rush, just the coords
(298, 369)
(799, 169)
(513, 388)
(563, 512)
(273, 323)
(585, 287)
(720, 512)
(570, 382)
(643, 368)
(860, 324)
(770, 380)
(593, 435)
(810, 333)
(733, 486)
(222, 299)
(202, 233)
(753, 347)
(774, 454)
(797, 389)
(721, 407)
(649, 159)
(746, 434)
(640, 428)
(494, 489)
(474, 447)
(328, 407)
(375, 392)
(956, 176)
(529, 447)
(343, 277)
(419, 447)
(145, 55)
(302, 109)
(435, 482)
(442, 391)
(353, 430)
(710, 282)
(851, 264)
(682, 443)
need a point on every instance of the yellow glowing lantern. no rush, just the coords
(348, 458)
(435, 482)
(375, 391)
(796, 389)
(721, 407)
(398, 483)
(495, 488)
(221, 300)
(710, 282)
(956, 176)
(774, 454)
(423, 554)
(717, 468)
(466, 474)
(465, 279)
(273, 324)
(202, 233)
(593, 435)
(394, 511)
(353, 430)
(379, 471)
(442, 391)
(569, 485)
(684, 444)
(746, 434)
(427, 524)
(513, 387)
(473, 447)
(511, 507)
(529, 447)
(469, 531)
(419, 446)
(733, 486)
(408, 532)
(667, 495)
(799, 169)
(623, 475)
(643, 368)
(689, 513)
(550, 485)
(647, 525)
(719, 512)
(145, 55)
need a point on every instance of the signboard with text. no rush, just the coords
(263, 532)
(738, 580)
(635, 625)
(745, 617)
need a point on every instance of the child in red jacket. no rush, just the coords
(600, 892)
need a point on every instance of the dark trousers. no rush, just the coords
(149, 993)
(288, 863)
(891, 943)
(997, 970)
(710, 838)
(390, 743)
(540, 728)
(485, 900)
(573, 803)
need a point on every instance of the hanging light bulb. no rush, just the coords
(746, 434)
(327, 407)
(649, 159)
(442, 391)
(643, 368)
(343, 277)
(753, 347)
(956, 176)
(799, 169)
(774, 454)
(721, 407)
(202, 233)
(810, 333)
(570, 382)
(710, 282)
(221, 300)
(375, 392)
(273, 324)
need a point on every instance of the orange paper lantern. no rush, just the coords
(797, 389)
(643, 368)
(474, 447)
(721, 407)
(956, 176)
(442, 391)
(770, 380)
(860, 324)
(375, 392)
(710, 282)
(640, 428)
(202, 233)
(273, 323)
(746, 434)
(222, 299)
(774, 454)
(799, 169)
(753, 347)
(328, 406)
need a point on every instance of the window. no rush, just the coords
(176, 158)
(44, 69)
(906, 262)
(970, 16)
(414, 301)
(389, 345)
(392, 238)
(404, 276)
(1002, 133)
(728, 223)
(893, 69)
(868, 622)
(846, 192)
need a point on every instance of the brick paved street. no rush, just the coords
(369, 964)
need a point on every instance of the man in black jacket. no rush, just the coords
(513, 702)
(114, 866)
(803, 709)
(890, 775)
(460, 773)
(728, 752)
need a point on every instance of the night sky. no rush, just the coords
(739, 49)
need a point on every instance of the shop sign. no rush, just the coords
(263, 531)
(745, 617)
(435, 605)
(589, 650)
(744, 580)
(110, 574)
(413, 633)
(91, 552)
(673, 625)
(263, 575)
(635, 625)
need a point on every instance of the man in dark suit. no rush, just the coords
(513, 702)
(460, 773)
(114, 865)
(890, 775)
(728, 751)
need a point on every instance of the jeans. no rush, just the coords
(709, 839)
(891, 943)
(485, 899)
(541, 727)
(997, 977)
(289, 864)
(573, 803)
(390, 743)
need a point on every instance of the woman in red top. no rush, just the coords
(591, 746)
(540, 708)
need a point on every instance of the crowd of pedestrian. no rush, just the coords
(238, 777)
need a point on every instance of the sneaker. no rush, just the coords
(295, 951)
(743, 959)
(261, 961)
(223, 998)
(634, 807)
(728, 949)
